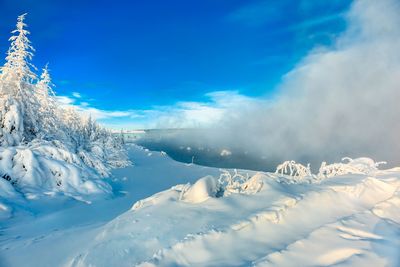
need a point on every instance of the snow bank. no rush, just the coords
(37, 169)
(258, 219)
(233, 218)
(7, 192)
(202, 190)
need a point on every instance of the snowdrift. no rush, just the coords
(41, 167)
(260, 219)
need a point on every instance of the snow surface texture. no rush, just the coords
(233, 218)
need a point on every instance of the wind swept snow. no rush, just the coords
(213, 218)
(241, 219)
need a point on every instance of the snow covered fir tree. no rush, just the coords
(45, 146)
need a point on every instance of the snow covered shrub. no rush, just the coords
(292, 172)
(353, 166)
(238, 183)
(364, 165)
(228, 183)
(11, 127)
(43, 144)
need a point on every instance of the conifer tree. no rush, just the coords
(33, 119)
(17, 81)
(48, 121)
(16, 72)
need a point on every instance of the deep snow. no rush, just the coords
(156, 218)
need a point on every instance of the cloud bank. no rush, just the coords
(182, 114)
(338, 101)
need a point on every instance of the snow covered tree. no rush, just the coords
(16, 81)
(44, 86)
(72, 126)
(17, 69)
(47, 144)
(47, 106)
(122, 137)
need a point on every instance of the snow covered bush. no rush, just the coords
(232, 182)
(353, 166)
(292, 172)
(238, 183)
(45, 146)
(11, 127)
(228, 183)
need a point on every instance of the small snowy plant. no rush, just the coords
(292, 172)
(232, 182)
(228, 183)
(353, 166)
(235, 182)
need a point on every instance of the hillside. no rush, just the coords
(262, 219)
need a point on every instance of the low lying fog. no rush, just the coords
(338, 101)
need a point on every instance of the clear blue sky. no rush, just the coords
(140, 55)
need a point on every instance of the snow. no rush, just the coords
(202, 190)
(69, 196)
(166, 213)
(225, 153)
(47, 149)
(36, 170)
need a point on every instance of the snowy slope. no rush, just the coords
(347, 220)
(36, 225)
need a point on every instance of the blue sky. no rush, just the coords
(132, 62)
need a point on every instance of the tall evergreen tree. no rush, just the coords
(44, 94)
(17, 72)
(32, 119)
(17, 80)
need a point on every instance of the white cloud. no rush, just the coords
(87, 109)
(65, 100)
(76, 95)
(183, 114)
(338, 101)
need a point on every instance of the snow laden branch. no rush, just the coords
(45, 146)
